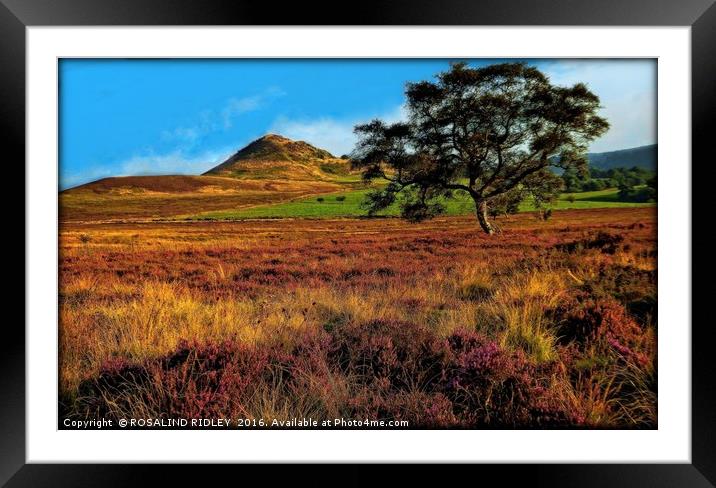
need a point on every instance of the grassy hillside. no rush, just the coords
(147, 197)
(277, 157)
(644, 157)
(270, 170)
(276, 177)
(347, 204)
(133, 185)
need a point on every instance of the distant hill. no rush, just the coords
(271, 169)
(161, 184)
(278, 157)
(642, 157)
(148, 197)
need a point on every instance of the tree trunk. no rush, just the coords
(482, 217)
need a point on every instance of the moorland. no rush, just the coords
(262, 290)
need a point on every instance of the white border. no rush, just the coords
(670, 443)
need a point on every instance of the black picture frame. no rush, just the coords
(16, 15)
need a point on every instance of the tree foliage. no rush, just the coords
(595, 179)
(485, 131)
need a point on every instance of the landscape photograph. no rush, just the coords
(357, 243)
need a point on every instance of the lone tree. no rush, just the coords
(485, 131)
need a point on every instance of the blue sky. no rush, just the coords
(184, 116)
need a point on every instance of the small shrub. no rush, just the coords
(331, 318)
(396, 352)
(208, 380)
(605, 326)
(493, 388)
(604, 241)
(320, 199)
(476, 292)
(634, 287)
(341, 198)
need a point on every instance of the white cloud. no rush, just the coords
(213, 121)
(173, 163)
(181, 133)
(76, 179)
(626, 88)
(334, 135)
(182, 158)
(633, 123)
(627, 91)
(238, 106)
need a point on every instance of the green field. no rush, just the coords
(333, 206)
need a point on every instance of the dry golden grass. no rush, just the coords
(154, 197)
(136, 291)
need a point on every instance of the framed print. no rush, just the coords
(456, 235)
